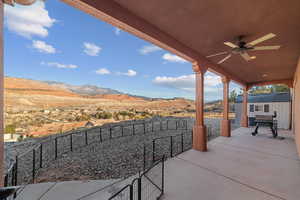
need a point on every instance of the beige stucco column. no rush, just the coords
(225, 123)
(1, 98)
(244, 119)
(199, 130)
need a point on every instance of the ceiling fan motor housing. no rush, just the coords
(242, 44)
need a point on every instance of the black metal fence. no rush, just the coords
(147, 186)
(150, 183)
(49, 150)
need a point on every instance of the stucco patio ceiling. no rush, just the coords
(194, 29)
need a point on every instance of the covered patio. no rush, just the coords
(241, 167)
(237, 165)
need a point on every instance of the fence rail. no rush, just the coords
(47, 151)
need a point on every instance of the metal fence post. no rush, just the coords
(33, 165)
(133, 129)
(86, 137)
(186, 125)
(110, 134)
(139, 188)
(171, 150)
(144, 128)
(144, 157)
(71, 142)
(182, 142)
(153, 151)
(55, 148)
(41, 155)
(122, 131)
(161, 125)
(12, 174)
(167, 124)
(16, 171)
(152, 126)
(163, 176)
(100, 132)
(131, 192)
(176, 125)
(192, 136)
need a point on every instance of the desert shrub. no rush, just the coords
(103, 115)
(10, 128)
(83, 117)
(116, 116)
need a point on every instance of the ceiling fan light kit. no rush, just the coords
(242, 48)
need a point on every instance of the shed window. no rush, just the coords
(251, 108)
(266, 108)
(258, 108)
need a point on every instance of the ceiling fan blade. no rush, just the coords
(265, 48)
(246, 56)
(217, 54)
(230, 44)
(259, 40)
(221, 61)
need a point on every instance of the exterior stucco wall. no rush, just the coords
(296, 107)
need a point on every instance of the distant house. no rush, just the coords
(9, 137)
(266, 104)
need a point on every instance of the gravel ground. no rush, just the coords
(119, 158)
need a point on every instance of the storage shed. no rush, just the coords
(266, 104)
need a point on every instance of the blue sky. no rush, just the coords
(53, 41)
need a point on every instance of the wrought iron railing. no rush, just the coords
(150, 183)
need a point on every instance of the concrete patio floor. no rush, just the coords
(241, 167)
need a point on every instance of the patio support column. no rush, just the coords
(225, 123)
(1, 98)
(199, 130)
(244, 119)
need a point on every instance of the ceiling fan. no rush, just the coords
(242, 48)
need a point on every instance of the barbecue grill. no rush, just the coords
(266, 120)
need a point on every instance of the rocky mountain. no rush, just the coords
(90, 90)
(32, 87)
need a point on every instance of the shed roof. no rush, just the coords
(261, 98)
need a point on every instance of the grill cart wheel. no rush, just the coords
(253, 133)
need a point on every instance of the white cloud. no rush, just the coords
(91, 49)
(28, 21)
(187, 82)
(212, 80)
(42, 47)
(59, 65)
(173, 58)
(149, 49)
(117, 31)
(129, 72)
(102, 71)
